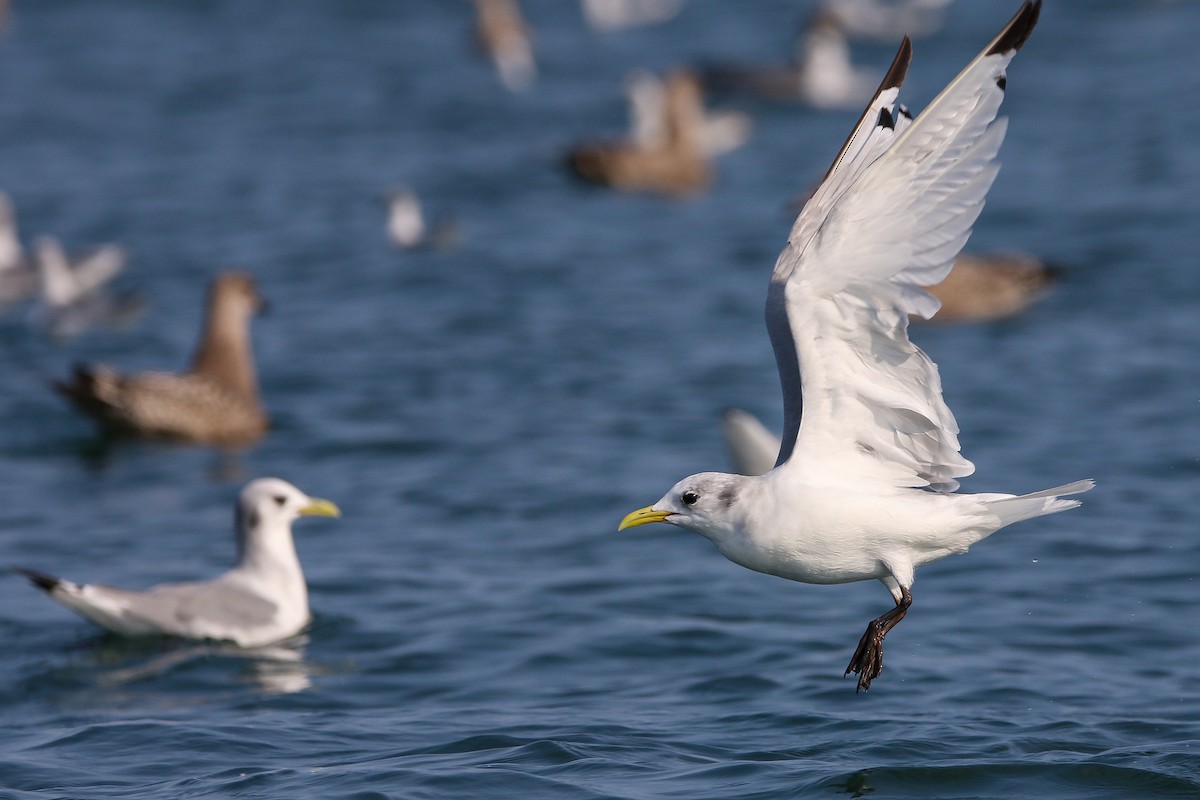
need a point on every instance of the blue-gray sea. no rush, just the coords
(486, 414)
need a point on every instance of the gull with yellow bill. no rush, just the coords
(262, 600)
(864, 485)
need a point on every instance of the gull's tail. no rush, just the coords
(1047, 501)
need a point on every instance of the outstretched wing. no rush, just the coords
(890, 216)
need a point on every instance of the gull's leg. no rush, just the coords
(867, 661)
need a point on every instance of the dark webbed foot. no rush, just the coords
(867, 661)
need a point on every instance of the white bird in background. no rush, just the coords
(864, 484)
(263, 599)
(71, 294)
(752, 448)
(18, 280)
(504, 36)
(716, 132)
(879, 20)
(821, 74)
(615, 15)
(406, 226)
(406, 221)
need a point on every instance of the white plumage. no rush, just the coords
(864, 482)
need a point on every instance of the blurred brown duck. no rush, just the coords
(989, 286)
(215, 402)
(679, 164)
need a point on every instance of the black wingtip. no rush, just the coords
(1018, 29)
(899, 69)
(892, 80)
(47, 583)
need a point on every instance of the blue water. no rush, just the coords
(485, 415)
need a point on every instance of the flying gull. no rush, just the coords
(864, 486)
(263, 599)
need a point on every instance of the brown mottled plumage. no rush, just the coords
(215, 402)
(990, 286)
(679, 166)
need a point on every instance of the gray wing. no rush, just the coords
(208, 609)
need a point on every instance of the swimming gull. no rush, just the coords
(864, 485)
(263, 599)
(216, 401)
(406, 226)
(821, 74)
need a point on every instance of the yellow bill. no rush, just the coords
(643, 516)
(320, 508)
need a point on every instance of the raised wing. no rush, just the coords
(890, 216)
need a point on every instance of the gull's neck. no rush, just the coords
(267, 554)
(224, 354)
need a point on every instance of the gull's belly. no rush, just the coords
(828, 537)
(808, 559)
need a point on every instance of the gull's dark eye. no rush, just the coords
(280, 500)
(689, 497)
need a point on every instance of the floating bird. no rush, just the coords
(406, 226)
(881, 21)
(263, 599)
(615, 15)
(215, 402)
(674, 162)
(821, 75)
(502, 33)
(717, 132)
(864, 484)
